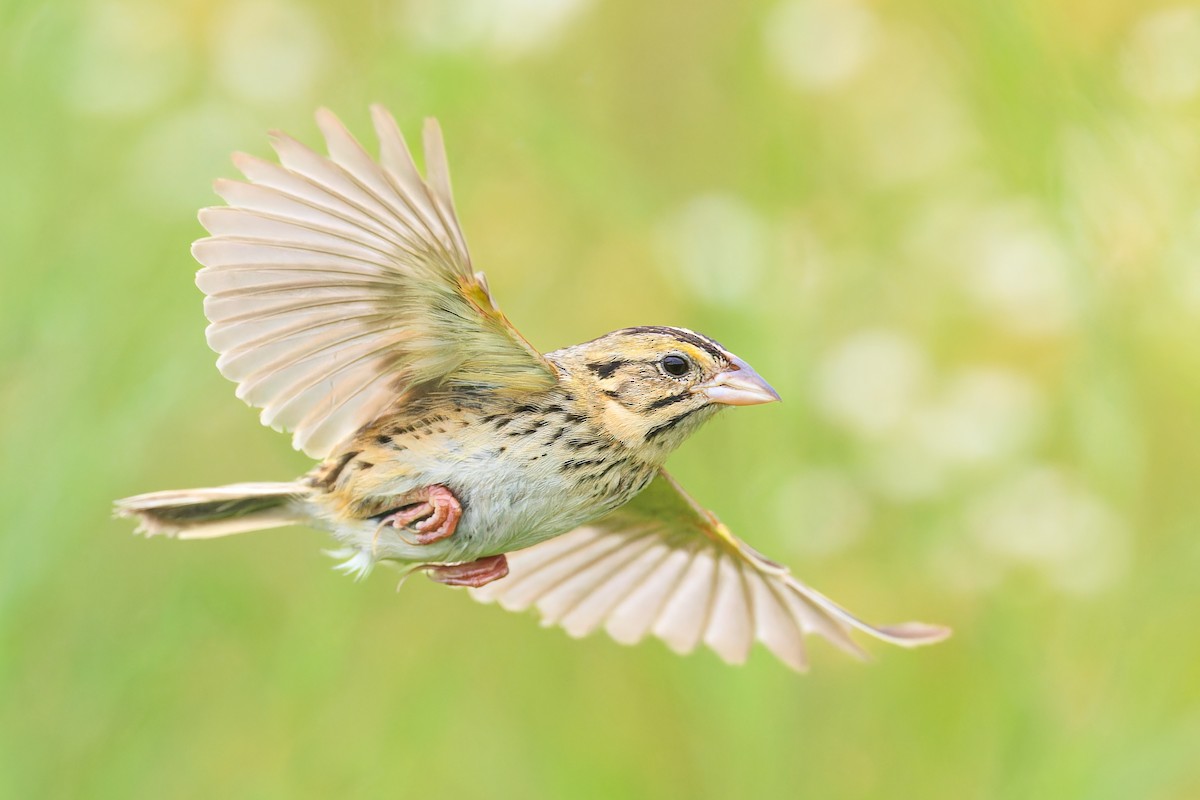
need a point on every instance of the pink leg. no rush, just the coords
(473, 573)
(437, 509)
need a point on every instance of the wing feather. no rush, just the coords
(337, 285)
(621, 572)
(566, 595)
(634, 616)
(684, 616)
(284, 351)
(548, 569)
(665, 565)
(273, 178)
(774, 624)
(730, 630)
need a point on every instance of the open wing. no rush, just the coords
(663, 565)
(335, 285)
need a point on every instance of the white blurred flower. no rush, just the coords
(820, 44)
(131, 56)
(983, 414)
(268, 52)
(1161, 60)
(1044, 519)
(716, 246)
(1019, 273)
(821, 511)
(871, 382)
(509, 28)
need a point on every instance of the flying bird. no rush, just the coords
(344, 304)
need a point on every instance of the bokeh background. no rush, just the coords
(960, 238)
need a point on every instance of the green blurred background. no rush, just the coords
(960, 238)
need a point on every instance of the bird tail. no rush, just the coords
(221, 511)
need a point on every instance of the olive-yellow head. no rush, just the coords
(652, 386)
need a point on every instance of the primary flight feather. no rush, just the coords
(343, 303)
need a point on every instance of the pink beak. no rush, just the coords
(739, 385)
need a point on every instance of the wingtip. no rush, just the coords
(383, 120)
(197, 247)
(380, 111)
(916, 634)
(244, 162)
(205, 217)
(435, 145)
(799, 666)
(329, 124)
(284, 145)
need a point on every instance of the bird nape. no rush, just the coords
(343, 302)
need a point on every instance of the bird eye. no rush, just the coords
(676, 366)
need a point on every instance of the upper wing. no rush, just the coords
(335, 285)
(664, 565)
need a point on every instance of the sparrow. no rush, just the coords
(343, 303)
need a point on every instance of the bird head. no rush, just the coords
(651, 387)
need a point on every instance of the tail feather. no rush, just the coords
(220, 511)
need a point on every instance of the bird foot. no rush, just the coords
(472, 573)
(436, 514)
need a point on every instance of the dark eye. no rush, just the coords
(676, 366)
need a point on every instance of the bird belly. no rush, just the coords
(512, 499)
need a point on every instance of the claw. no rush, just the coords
(438, 511)
(472, 573)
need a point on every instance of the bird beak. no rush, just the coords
(739, 385)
